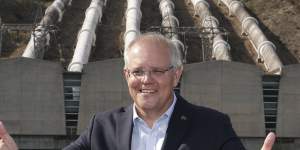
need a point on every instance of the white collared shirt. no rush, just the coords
(145, 138)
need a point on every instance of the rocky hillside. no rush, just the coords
(279, 20)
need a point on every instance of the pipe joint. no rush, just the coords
(84, 30)
(57, 8)
(210, 19)
(129, 31)
(170, 19)
(75, 67)
(132, 9)
(220, 43)
(197, 2)
(263, 44)
(260, 48)
(234, 4)
(245, 22)
(93, 6)
(164, 3)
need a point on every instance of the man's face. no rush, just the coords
(151, 92)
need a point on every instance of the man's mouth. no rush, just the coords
(147, 91)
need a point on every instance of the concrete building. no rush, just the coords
(35, 105)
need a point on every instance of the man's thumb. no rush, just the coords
(2, 130)
(269, 141)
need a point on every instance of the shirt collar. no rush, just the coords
(168, 113)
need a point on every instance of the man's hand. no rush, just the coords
(6, 141)
(269, 141)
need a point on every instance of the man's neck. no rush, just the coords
(150, 116)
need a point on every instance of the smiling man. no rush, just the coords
(158, 119)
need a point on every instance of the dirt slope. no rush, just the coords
(279, 20)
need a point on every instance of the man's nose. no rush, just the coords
(147, 77)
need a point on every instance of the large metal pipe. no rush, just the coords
(264, 48)
(220, 47)
(170, 23)
(133, 21)
(87, 36)
(40, 37)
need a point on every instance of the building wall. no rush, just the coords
(103, 87)
(230, 87)
(288, 120)
(32, 108)
(31, 97)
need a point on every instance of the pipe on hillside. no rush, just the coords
(221, 48)
(86, 36)
(133, 21)
(40, 37)
(264, 48)
(170, 22)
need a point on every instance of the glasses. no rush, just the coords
(155, 73)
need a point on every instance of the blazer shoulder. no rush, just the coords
(100, 116)
(205, 112)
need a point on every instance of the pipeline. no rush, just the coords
(86, 36)
(133, 21)
(40, 37)
(221, 48)
(170, 23)
(264, 48)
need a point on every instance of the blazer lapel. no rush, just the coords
(124, 128)
(178, 125)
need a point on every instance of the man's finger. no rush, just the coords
(6, 140)
(1, 143)
(269, 141)
(2, 130)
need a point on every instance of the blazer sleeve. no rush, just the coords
(83, 141)
(232, 141)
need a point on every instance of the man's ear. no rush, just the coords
(125, 74)
(178, 73)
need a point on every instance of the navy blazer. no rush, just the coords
(191, 127)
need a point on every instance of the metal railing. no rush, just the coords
(72, 82)
(270, 94)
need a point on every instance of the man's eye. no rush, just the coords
(138, 72)
(158, 72)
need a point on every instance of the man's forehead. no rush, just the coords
(150, 44)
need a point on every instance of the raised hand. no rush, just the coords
(269, 141)
(6, 141)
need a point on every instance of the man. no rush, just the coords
(158, 119)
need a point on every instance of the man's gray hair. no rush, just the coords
(176, 57)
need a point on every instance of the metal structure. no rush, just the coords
(270, 93)
(221, 48)
(204, 34)
(171, 23)
(40, 37)
(133, 21)
(72, 82)
(87, 37)
(264, 48)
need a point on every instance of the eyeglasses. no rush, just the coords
(155, 73)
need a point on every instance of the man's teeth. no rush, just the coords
(147, 91)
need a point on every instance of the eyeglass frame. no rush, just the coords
(156, 73)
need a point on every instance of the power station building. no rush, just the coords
(44, 107)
